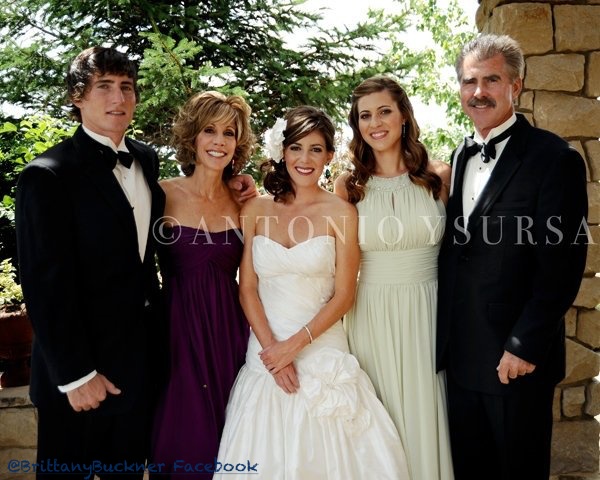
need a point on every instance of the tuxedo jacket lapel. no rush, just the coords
(157, 195)
(95, 169)
(508, 164)
(455, 207)
(150, 174)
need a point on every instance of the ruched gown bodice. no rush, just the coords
(208, 340)
(391, 328)
(334, 427)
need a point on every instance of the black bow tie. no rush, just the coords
(112, 157)
(488, 149)
(125, 158)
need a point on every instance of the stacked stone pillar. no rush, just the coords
(18, 434)
(561, 42)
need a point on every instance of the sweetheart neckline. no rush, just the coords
(298, 244)
(210, 232)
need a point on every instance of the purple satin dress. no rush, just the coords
(208, 341)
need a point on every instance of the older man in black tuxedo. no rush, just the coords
(509, 268)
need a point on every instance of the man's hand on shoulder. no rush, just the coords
(444, 171)
(339, 186)
(92, 393)
(243, 188)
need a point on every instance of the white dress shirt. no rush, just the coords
(134, 186)
(136, 190)
(477, 173)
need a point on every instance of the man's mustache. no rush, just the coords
(481, 102)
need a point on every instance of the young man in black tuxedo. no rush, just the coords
(84, 213)
(510, 266)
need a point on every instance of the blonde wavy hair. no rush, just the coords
(207, 108)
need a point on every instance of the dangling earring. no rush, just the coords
(404, 129)
(327, 172)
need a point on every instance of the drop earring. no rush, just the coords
(404, 129)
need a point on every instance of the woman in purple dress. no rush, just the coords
(200, 254)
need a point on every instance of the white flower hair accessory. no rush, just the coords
(274, 140)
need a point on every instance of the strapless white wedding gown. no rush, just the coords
(334, 427)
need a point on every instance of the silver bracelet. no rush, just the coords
(309, 334)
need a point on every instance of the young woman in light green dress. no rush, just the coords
(400, 195)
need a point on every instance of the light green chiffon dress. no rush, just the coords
(391, 328)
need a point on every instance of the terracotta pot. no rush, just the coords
(15, 347)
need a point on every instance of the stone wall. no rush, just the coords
(18, 434)
(561, 42)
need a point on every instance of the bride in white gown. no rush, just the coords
(301, 407)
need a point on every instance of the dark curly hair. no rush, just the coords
(100, 61)
(413, 151)
(301, 121)
(203, 109)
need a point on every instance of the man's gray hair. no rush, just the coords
(487, 46)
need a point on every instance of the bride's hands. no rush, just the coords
(280, 354)
(287, 379)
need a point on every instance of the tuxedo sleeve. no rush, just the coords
(47, 253)
(560, 248)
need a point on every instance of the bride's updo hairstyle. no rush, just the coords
(301, 121)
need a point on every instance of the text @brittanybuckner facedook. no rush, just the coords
(97, 467)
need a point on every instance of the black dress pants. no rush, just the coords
(77, 445)
(498, 437)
